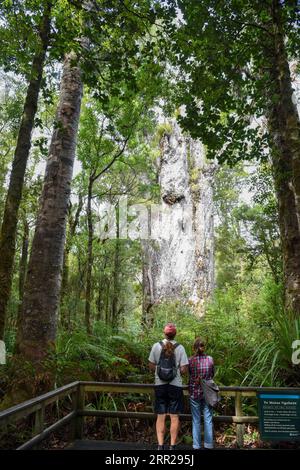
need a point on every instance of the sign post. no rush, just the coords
(279, 415)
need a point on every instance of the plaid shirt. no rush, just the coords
(200, 366)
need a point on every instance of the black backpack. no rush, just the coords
(166, 367)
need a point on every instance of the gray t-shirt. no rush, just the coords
(180, 358)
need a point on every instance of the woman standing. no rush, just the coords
(201, 366)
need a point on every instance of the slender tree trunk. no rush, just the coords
(64, 317)
(148, 294)
(88, 292)
(108, 320)
(14, 194)
(99, 303)
(116, 276)
(23, 265)
(100, 298)
(147, 318)
(43, 282)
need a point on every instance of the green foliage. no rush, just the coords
(247, 227)
(225, 82)
(271, 362)
(123, 61)
(251, 335)
(11, 104)
(100, 356)
(107, 402)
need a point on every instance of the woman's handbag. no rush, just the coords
(211, 392)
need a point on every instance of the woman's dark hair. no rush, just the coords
(199, 345)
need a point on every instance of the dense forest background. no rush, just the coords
(92, 85)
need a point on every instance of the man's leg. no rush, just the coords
(174, 428)
(160, 428)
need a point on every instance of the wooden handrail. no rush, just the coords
(78, 392)
(233, 388)
(34, 404)
(43, 434)
(152, 416)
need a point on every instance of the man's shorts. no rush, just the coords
(168, 399)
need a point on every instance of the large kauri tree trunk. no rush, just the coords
(178, 258)
(43, 281)
(14, 194)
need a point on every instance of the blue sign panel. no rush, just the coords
(279, 415)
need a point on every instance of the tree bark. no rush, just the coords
(289, 232)
(14, 194)
(43, 282)
(88, 292)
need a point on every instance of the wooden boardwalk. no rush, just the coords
(73, 398)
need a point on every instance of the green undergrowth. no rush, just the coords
(246, 330)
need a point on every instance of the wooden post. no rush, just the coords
(79, 420)
(240, 428)
(39, 420)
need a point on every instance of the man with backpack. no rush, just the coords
(170, 362)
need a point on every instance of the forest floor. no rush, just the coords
(225, 436)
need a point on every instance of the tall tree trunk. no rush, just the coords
(289, 228)
(14, 194)
(289, 130)
(284, 126)
(88, 292)
(43, 282)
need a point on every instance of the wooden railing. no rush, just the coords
(77, 392)
(37, 407)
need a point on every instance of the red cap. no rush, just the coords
(170, 328)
